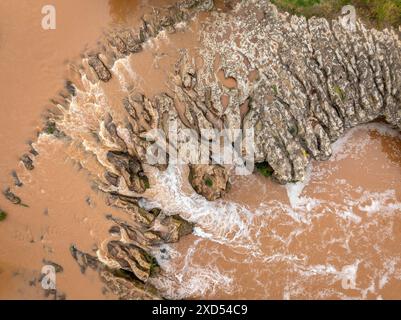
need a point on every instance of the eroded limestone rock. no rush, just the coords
(125, 41)
(13, 198)
(130, 168)
(121, 283)
(300, 84)
(124, 261)
(98, 66)
(316, 80)
(27, 161)
(211, 181)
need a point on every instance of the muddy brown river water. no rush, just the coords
(336, 235)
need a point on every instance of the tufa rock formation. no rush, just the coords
(300, 84)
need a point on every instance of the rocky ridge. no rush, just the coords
(300, 84)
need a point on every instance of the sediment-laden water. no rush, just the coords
(335, 235)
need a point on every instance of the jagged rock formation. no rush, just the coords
(122, 284)
(124, 41)
(299, 84)
(315, 79)
(209, 181)
(124, 261)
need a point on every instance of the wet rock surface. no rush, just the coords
(209, 181)
(27, 161)
(124, 261)
(130, 169)
(98, 66)
(316, 80)
(13, 198)
(3, 215)
(122, 41)
(123, 284)
(303, 84)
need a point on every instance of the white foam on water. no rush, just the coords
(342, 148)
(320, 269)
(189, 279)
(220, 221)
(390, 270)
(381, 128)
(84, 122)
(378, 202)
(348, 214)
(383, 281)
(125, 74)
(235, 226)
(373, 207)
(294, 190)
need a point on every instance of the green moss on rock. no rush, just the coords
(376, 13)
(209, 182)
(145, 182)
(3, 215)
(264, 169)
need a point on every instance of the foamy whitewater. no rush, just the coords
(282, 249)
(223, 226)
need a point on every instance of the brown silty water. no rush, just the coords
(335, 235)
